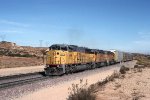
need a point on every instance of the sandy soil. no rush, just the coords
(60, 91)
(13, 62)
(135, 86)
(20, 70)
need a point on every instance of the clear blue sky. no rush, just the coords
(103, 24)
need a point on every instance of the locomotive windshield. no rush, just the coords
(54, 47)
(64, 48)
(58, 47)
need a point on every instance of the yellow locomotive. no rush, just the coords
(62, 59)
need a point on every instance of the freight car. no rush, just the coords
(64, 59)
(122, 56)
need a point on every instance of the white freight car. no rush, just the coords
(118, 55)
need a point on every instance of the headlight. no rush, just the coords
(57, 53)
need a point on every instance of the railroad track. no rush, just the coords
(10, 81)
(21, 75)
(18, 80)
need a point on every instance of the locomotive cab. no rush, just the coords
(56, 58)
(56, 55)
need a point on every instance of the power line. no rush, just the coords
(3, 37)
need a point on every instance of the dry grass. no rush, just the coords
(119, 84)
(139, 66)
(123, 69)
(109, 78)
(143, 60)
(81, 92)
(139, 70)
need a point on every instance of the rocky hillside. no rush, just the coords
(13, 55)
(11, 62)
(12, 49)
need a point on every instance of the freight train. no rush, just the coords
(64, 59)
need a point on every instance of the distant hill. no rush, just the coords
(12, 49)
(13, 55)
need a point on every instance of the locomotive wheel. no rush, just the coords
(73, 69)
(67, 69)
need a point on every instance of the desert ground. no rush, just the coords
(13, 55)
(59, 90)
(134, 86)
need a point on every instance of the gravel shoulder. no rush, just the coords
(57, 89)
(134, 86)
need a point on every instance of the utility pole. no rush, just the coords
(41, 42)
(46, 43)
(3, 37)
